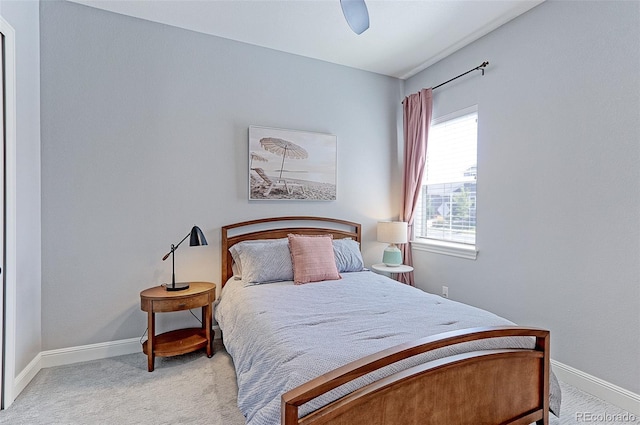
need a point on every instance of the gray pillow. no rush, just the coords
(236, 266)
(348, 256)
(264, 261)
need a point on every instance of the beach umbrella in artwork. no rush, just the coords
(285, 148)
(257, 158)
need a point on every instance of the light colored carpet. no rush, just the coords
(579, 407)
(188, 389)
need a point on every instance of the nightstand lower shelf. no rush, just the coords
(177, 342)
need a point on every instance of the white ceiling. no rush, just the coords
(404, 37)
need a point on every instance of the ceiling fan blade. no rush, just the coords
(356, 14)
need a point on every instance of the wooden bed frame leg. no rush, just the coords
(543, 344)
(289, 413)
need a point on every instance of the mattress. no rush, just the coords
(281, 335)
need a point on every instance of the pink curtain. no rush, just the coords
(416, 120)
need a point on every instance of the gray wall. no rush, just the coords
(145, 133)
(24, 19)
(558, 180)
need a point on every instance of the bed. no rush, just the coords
(360, 348)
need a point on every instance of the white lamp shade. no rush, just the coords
(392, 232)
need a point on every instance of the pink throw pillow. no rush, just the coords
(313, 258)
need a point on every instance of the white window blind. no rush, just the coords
(447, 205)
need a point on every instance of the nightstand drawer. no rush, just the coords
(181, 304)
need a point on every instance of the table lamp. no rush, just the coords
(197, 239)
(392, 232)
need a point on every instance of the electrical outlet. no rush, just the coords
(445, 292)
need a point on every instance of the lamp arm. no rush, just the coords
(173, 248)
(182, 241)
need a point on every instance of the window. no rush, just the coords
(446, 213)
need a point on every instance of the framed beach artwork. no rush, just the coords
(292, 165)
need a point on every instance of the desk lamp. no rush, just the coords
(197, 239)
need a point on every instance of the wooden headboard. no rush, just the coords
(280, 227)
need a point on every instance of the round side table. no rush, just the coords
(383, 268)
(159, 300)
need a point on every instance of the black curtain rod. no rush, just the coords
(477, 68)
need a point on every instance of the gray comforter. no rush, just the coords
(281, 335)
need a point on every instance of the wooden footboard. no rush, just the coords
(501, 386)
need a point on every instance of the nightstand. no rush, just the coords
(383, 268)
(159, 300)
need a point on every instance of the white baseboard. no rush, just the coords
(83, 353)
(24, 377)
(98, 351)
(602, 389)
